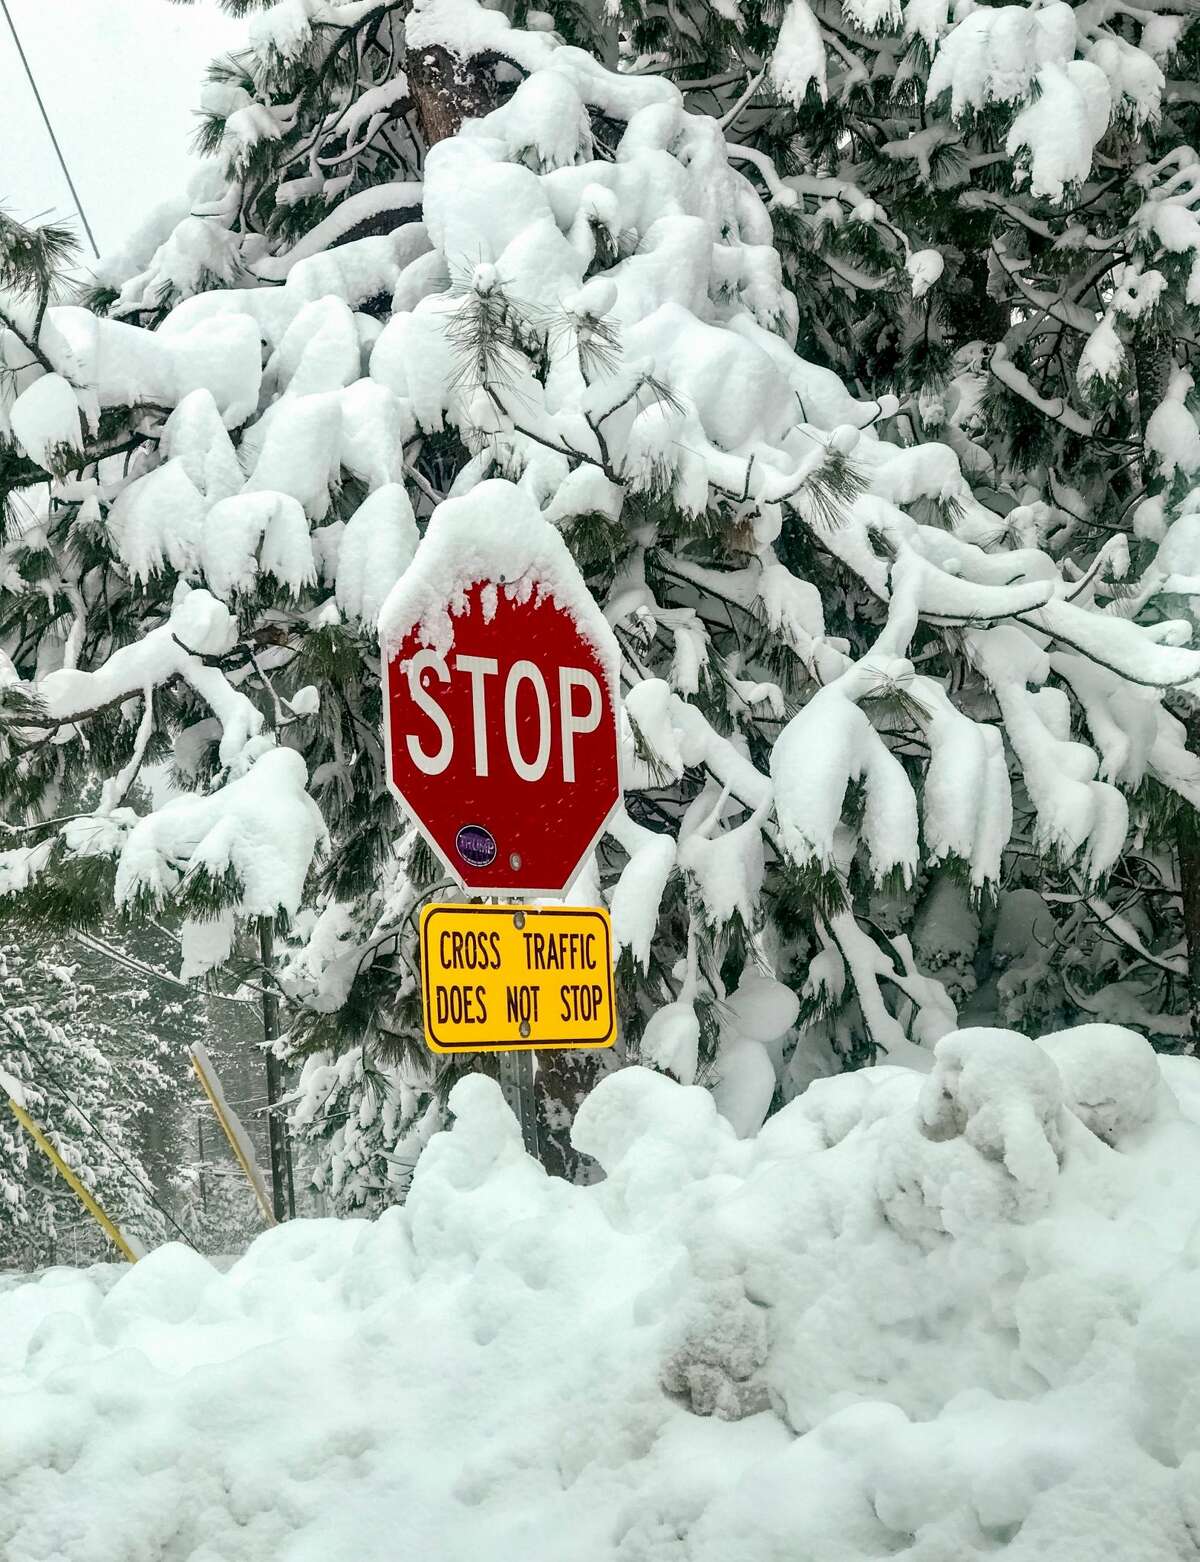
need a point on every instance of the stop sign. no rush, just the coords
(503, 743)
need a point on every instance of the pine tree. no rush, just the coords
(90, 1101)
(523, 279)
(990, 212)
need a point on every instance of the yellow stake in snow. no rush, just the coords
(111, 1230)
(233, 1130)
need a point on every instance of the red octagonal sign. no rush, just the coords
(503, 744)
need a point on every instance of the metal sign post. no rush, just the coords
(516, 1082)
(501, 741)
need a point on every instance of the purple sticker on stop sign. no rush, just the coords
(476, 846)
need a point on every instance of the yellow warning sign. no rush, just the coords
(496, 978)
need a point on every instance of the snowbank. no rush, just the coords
(928, 1317)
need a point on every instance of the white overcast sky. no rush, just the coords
(121, 82)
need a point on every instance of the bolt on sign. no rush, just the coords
(499, 978)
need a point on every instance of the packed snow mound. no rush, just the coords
(923, 1317)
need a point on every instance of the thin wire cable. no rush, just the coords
(145, 1186)
(62, 162)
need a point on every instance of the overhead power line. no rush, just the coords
(62, 162)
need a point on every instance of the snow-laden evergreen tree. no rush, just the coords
(991, 211)
(444, 271)
(90, 1097)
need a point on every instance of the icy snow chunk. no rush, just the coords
(671, 1041)
(122, 365)
(196, 437)
(720, 1342)
(414, 358)
(157, 520)
(1134, 77)
(761, 1008)
(727, 865)
(1001, 1093)
(737, 390)
(798, 60)
(1074, 811)
(1111, 1078)
(45, 420)
(873, 16)
(426, 275)
(204, 945)
(544, 124)
(825, 746)
(319, 351)
(1058, 132)
(263, 826)
(298, 444)
(375, 428)
(585, 491)
(1172, 434)
(478, 206)
(995, 52)
(251, 533)
(744, 1085)
(1178, 555)
(967, 801)
(639, 890)
(374, 550)
(926, 19)
(1103, 355)
(924, 267)
(356, 272)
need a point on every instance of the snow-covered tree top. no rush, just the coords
(583, 297)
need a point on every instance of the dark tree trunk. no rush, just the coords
(283, 1196)
(562, 1081)
(1153, 358)
(1187, 851)
(1187, 845)
(447, 90)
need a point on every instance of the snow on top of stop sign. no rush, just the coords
(495, 535)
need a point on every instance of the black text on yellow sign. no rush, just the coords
(498, 978)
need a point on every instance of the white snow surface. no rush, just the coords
(913, 1317)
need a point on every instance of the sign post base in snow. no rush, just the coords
(501, 978)
(516, 1083)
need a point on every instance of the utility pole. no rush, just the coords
(283, 1196)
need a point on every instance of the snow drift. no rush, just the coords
(918, 1316)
